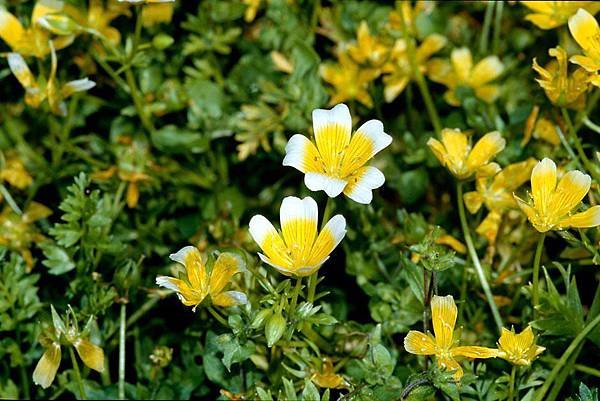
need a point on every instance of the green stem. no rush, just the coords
(541, 393)
(122, 327)
(591, 125)
(65, 132)
(295, 294)
(582, 368)
(217, 316)
(475, 259)
(420, 80)
(497, 26)
(77, 375)
(535, 297)
(564, 375)
(487, 23)
(138, 101)
(584, 159)
(511, 384)
(23, 372)
(149, 304)
(9, 199)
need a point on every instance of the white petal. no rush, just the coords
(321, 182)
(165, 281)
(181, 254)
(260, 228)
(295, 152)
(78, 85)
(339, 115)
(293, 208)
(361, 190)
(336, 227)
(374, 130)
(239, 297)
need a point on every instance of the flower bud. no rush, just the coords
(274, 328)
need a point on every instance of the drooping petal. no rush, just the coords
(299, 218)
(585, 30)
(79, 85)
(485, 149)
(571, 189)
(11, 30)
(190, 257)
(543, 183)
(35, 211)
(226, 265)
(462, 62)
(362, 183)
(473, 201)
(184, 292)
(21, 71)
(489, 227)
(419, 343)
(332, 130)
(302, 154)
(527, 209)
(486, 71)
(269, 240)
(365, 143)
(321, 182)
(47, 366)
(443, 316)
(329, 237)
(430, 45)
(91, 354)
(589, 218)
(470, 351)
(230, 298)
(450, 365)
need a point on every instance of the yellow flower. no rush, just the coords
(585, 30)
(497, 196)
(327, 378)
(399, 68)
(443, 345)
(552, 203)
(539, 128)
(14, 172)
(459, 71)
(349, 80)
(36, 91)
(455, 153)
(251, 9)
(299, 250)
(518, 349)
(368, 49)
(157, 13)
(562, 89)
(98, 17)
(32, 41)
(18, 233)
(337, 163)
(198, 283)
(552, 14)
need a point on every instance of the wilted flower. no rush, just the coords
(539, 128)
(36, 91)
(496, 194)
(350, 81)
(14, 172)
(399, 67)
(443, 345)
(327, 378)
(18, 233)
(198, 283)
(91, 354)
(368, 49)
(460, 72)
(337, 162)
(585, 30)
(562, 89)
(518, 349)
(297, 250)
(552, 14)
(455, 153)
(552, 204)
(35, 40)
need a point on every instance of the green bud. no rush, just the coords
(259, 319)
(59, 325)
(59, 24)
(162, 41)
(274, 328)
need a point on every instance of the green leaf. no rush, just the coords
(310, 392)
(57, 259)
(172, 139)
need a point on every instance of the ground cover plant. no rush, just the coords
(299, 200)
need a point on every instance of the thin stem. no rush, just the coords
(584, 159)
(217, 316)
(149, 304)
(138, 102)
(511, 384)
(295, 294)
(535, 297)
(475, 259)
(77, 375)
(9, 199)
(568, 147)
(420, 80)
(594, 127)
(541, 393)
(582, 368)
(487, 23)
(122, 327)
(497, 26)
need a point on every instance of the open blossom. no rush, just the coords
(460, 71)
(518, 349)
(198, 283)
(299, 250)
(496, 194)
(349, 80)
(552, 14)
(553, 201)
(443, 345)
(585, 30)
(456, 154)
(335, 163)
(561, 88)
(368, 49)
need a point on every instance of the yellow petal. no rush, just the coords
(431, 45)
(438, 150)
(450, 365)
(488, 228)
(35, 211)
(298, 218)
(475, 352)
(452, 242)
(230, 298)
(587, 63)
(585, 30)
(473, 201)
(571, 189)
(47, 366)
(21, 71)
(133, 195)
(543, 21)
(226, 265)
(589, 218)
(45, 7)
(462, 63)
(440, 70)
(91, 354)
(543, 183)
(191, 259)
(332, 133)
(487, 93)
(485, 149)
(302, 154)
(443, 316)
(457, 147)
(271, 243)
(187, 295)
(11, 30)
(329, 238)
(486, 70)
(368, 140)
(153, 14)
(419, 343)
(543, 7)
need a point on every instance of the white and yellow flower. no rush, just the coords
(336, 163)
(299, 250)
